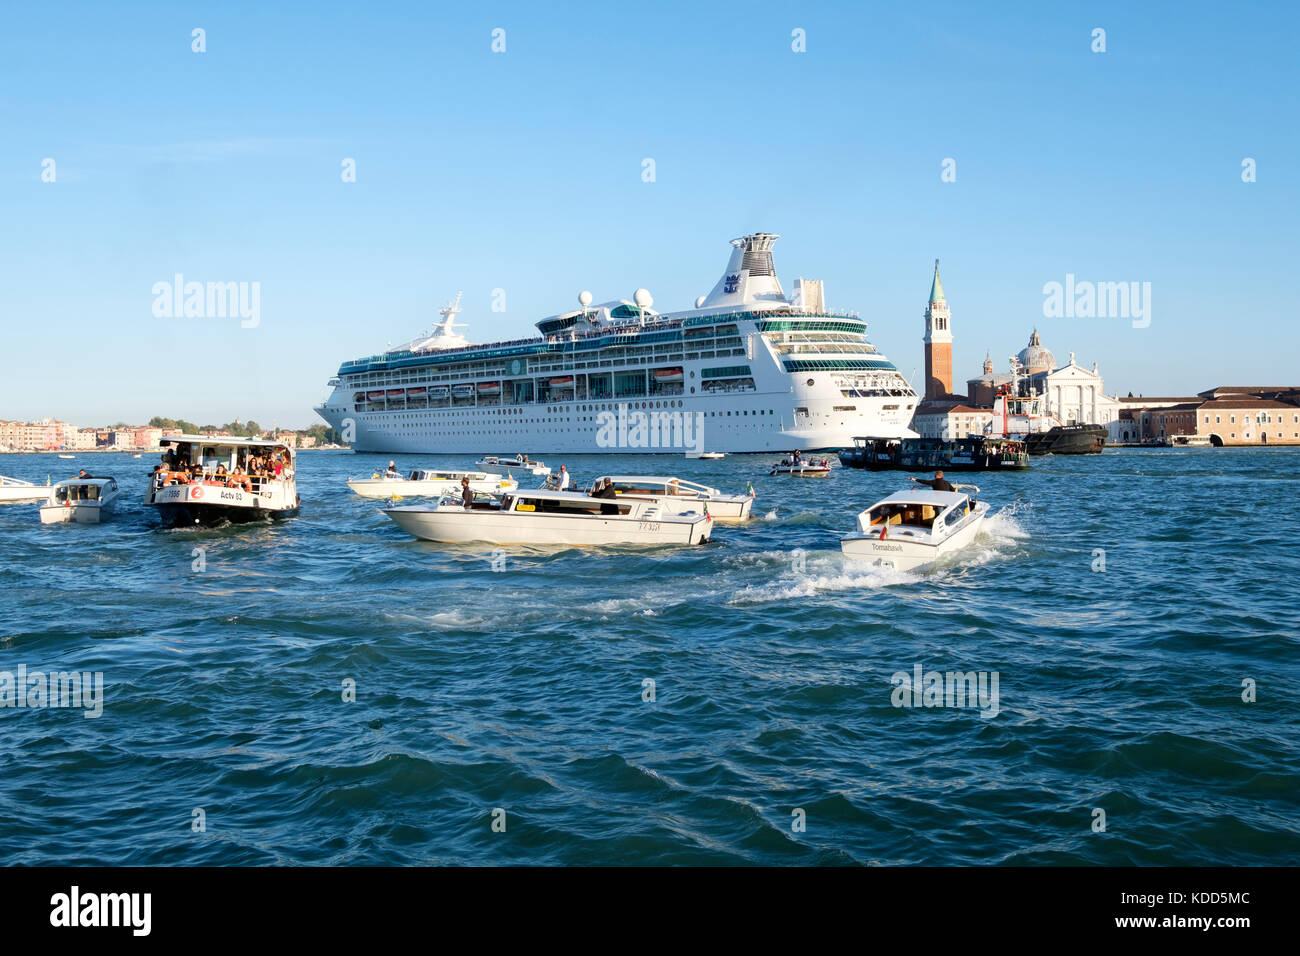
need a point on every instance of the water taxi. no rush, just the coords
(552, 518)
(910, 529)
(676, 495)
(802, 468)
(519, 462)
(425, 483)
(15, 489)
(208, 480)
(80, 501)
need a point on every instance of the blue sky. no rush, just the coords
(522, 171)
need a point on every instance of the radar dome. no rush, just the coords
(699, 303)
(584, 298)
(643, 298)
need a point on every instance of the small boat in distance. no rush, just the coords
(80, 501)
(800, 467)
(552, 518)
(708, 455)
(67, 457)
(431, 484)
(674, 495)
(914, 528)
(16, 489)
(518, 463)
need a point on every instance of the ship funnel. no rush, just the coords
(750, 279)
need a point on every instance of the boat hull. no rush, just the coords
(1067, 440)
(84, 513)
(721, 508)
(14, 495)
(900, 553)
(186, 505)
(480, 527)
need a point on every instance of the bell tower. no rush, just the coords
(938, 342)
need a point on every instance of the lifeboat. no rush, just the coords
(416, 392)
(463, 391)
(395, 393)
(439, 391)
(562, 381)
(375, 396)
(667, 374)
(489, 388)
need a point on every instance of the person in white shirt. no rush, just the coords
(564, 479)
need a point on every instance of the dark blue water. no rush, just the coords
(1120, 689)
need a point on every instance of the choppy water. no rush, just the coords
(522, 689)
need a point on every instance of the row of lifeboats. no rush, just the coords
(487, 389)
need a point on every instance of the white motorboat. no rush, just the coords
(914, 528)
(68, 457)
(552, 518)
(424, 483)
(511, 465)
(80, 501)
(676, 495)
(802, 467)
(708, 456)
(208, 480)
(15, 489)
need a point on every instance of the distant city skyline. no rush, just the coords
(997, 141)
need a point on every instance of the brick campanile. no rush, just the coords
(938, 342)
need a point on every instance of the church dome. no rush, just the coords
(1034, 358)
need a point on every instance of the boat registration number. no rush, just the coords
(651, 527)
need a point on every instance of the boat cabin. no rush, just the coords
(246, 462)
(573, 504)
(657, 487)
(83, 490)
(915, 512)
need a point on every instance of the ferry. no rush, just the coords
(748, 369)
(914, 528)
(552, 518)
(207, 480)
(80, 501)
(972, 453)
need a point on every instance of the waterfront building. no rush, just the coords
(947, 422)
(1245, 419)
(1073, 394)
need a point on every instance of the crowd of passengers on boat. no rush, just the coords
(250, 469)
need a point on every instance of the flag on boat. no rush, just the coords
(750, 486)
(882, 532)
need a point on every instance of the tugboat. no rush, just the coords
(1020, 417)
(207, 480)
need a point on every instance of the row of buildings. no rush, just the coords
(1228, 415)
(50, 434)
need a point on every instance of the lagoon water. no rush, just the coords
(225, 738)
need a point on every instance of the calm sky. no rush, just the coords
(523, 171)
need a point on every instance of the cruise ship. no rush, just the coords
(749, 369)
